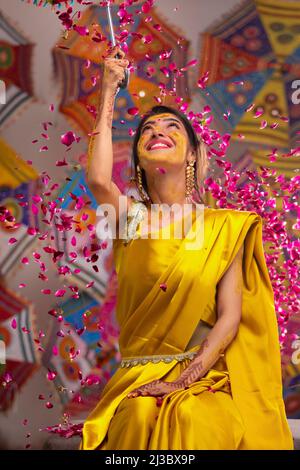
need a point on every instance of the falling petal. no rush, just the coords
(82, 30)
(165, 71)
(258, 113)
(51, 375)
(163, 286)
(202, 81)
(189, 64)
(68, 138)
(133, 111)
(34, 209)
(14, 324)
(165, 55)
(146, 7)
(251, 106)
(158, 27)
(46, 291)
(60, 293)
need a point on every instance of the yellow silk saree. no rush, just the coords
(238, 403)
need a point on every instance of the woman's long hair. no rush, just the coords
(201, 164)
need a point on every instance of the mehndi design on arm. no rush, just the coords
(198, 366)
(110, 111)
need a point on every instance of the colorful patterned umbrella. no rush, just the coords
(90, 329)
(18, 184)
(83, 269)
(253, 57)
(13, 170)
(161, 46)
(17, 331)
(15, 68)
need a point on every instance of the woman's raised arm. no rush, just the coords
(100, 161)
(100, 154)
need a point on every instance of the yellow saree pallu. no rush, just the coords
(238, 403)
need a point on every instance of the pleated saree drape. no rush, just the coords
(238, 404)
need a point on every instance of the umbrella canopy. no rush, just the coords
(250, 61)
(13, 170)
(19, 183)
(153, 46)
(85, 348)
(253, 59)
(89, 266)
(82, 271)
(17, 333)
(15, 68)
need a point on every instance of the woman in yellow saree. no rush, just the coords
(190, 376)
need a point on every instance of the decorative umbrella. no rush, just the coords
(253, 59)
(90, 265)
(72, 361)
(87, 349)
(82, 271)
(18, 185)
(13, 170)
(17, 332)
(153, 45)
(15, 68)
(250, 61)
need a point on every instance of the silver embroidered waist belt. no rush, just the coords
(134, 361)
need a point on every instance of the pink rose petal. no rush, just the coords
(60, 293)
(251, 106)
(68, 138)
(163, 286)
(133, 111)
(51, 375)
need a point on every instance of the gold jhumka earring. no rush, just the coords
(190, 180)
(141, 190)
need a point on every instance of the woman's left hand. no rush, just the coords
(156, 388)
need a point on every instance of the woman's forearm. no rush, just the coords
(221, 335)
(100, 153)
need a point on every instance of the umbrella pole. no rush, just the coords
(124, 82)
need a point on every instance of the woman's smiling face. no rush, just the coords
(163, 139)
